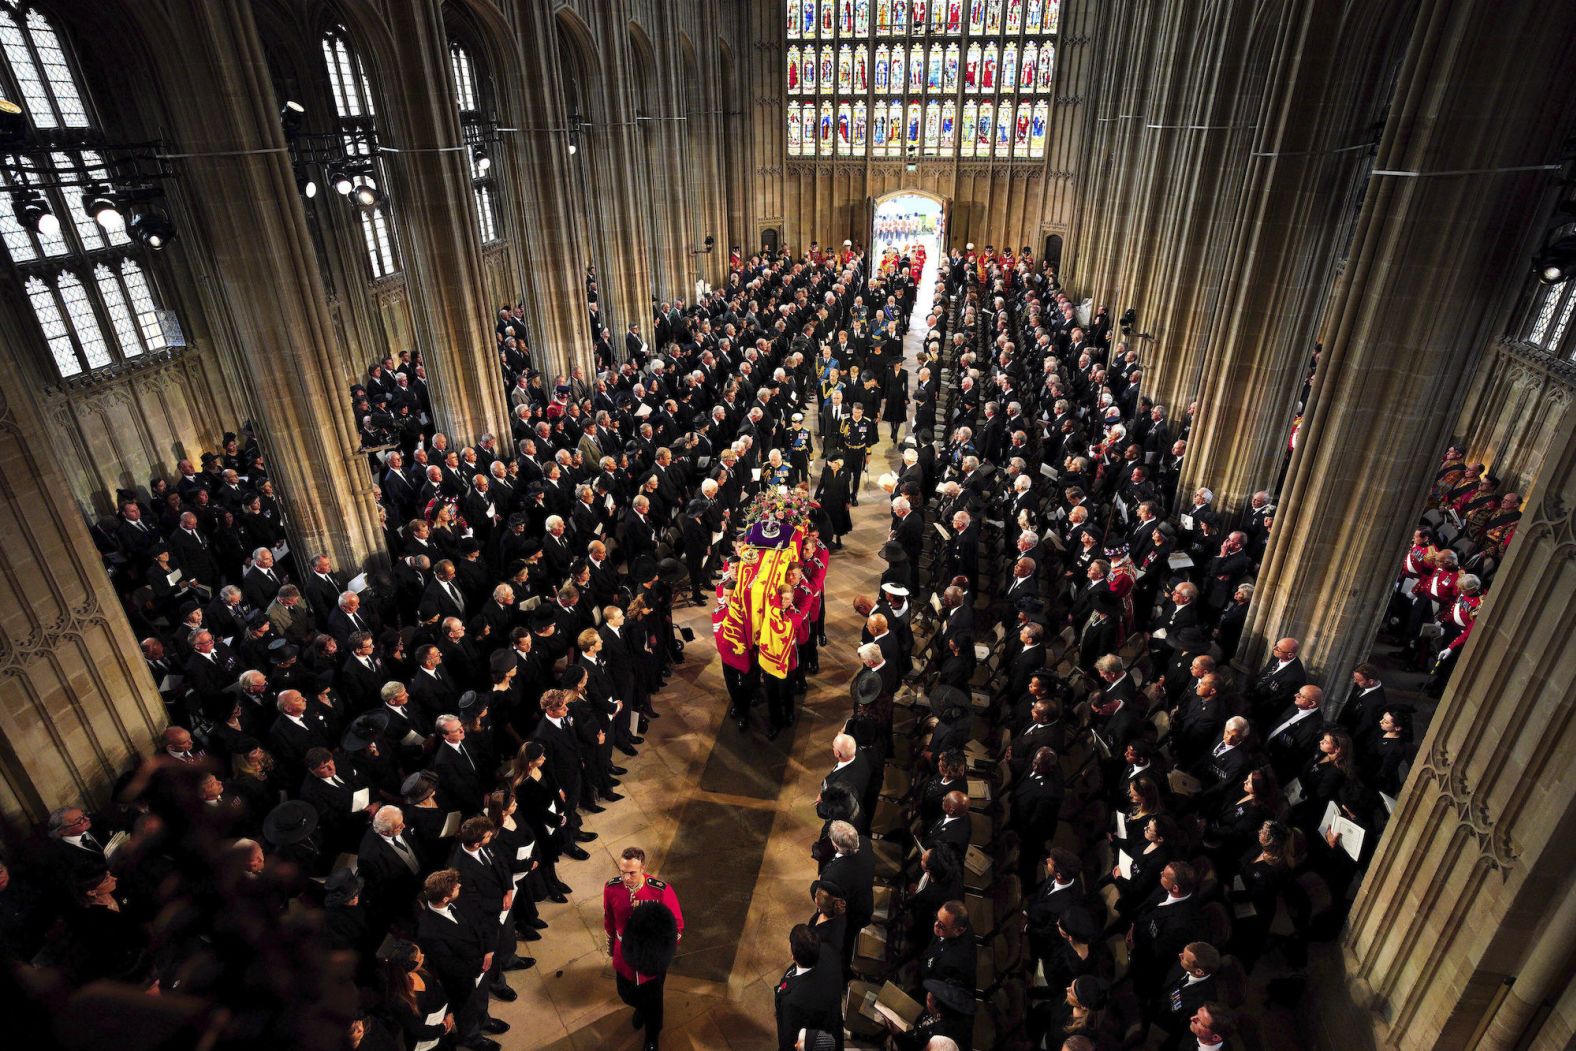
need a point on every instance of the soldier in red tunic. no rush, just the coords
(631, 887)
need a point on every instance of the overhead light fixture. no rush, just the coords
(340, 179)
(573, 149)
(153, 230)
(306, 185)
(34, 213)
(13, 124)
(102, 205)
(1556, 260)
(366, 195)
(481, 160)
(290, 116)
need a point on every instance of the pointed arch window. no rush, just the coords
(353, 105)
(462, 71)
(94, 304)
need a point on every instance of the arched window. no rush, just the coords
(94, 304)
(353, 105)
(462, 73)
(988, 52)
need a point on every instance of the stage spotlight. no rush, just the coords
(101, 204)
(290, 117)
(367, 195)
(33, 212)
(307, 185)
(153, 230)
(340, 179)
(482, 161)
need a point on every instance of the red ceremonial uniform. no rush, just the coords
(618, 903)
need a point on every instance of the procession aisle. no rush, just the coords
(727, 817)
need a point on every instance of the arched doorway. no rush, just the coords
(907, 219)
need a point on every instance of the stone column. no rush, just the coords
(435, 220)
(76, 704)
(1318, 109)
(1471, 888)
(610, 150)
(261, 289)
(552, 237)
(1434, 263)
(1200, 122)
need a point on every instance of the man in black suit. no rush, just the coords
(637, 534)
(1061, 890)
(226, 615)
(458, 953)
(1036, 810)
(953, 828)
(442, 596)
(957, 619)
(951, 956)
(852, 769)
(1221, 770)
(1179, 631)
(332, 793)
(386, 861)
(810, 995)
(1278, 681)
(1189, 985)
(262, 581)
(962, 554)
(361, 676)
(1197, 722)
(294, 733)
(1364, 706)
(1291, 736)
(556, 732)
(75, 853)
(488, 900)
(852, 868)
(347, 618)
(1163, 925)
(461, 780)
(432, 691)
(908, 529)
(193, 552)
(322, 588)
(211, 669)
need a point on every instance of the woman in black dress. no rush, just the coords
(830, 920)
(542, 807)
(1255, 890)
(515, 842)
(1321, 780)
(1154, 854)
(833, 494)
(1081, 950)
(1380, 763)
(413, 998)
(1235, 829)
(424, 819)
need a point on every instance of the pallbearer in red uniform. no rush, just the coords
(641, 939)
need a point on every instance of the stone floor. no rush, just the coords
(728, 818)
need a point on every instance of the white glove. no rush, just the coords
(1444, 653)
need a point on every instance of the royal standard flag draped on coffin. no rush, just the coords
(752, 626)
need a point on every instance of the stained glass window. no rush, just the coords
(88, 293)
(897, 56)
